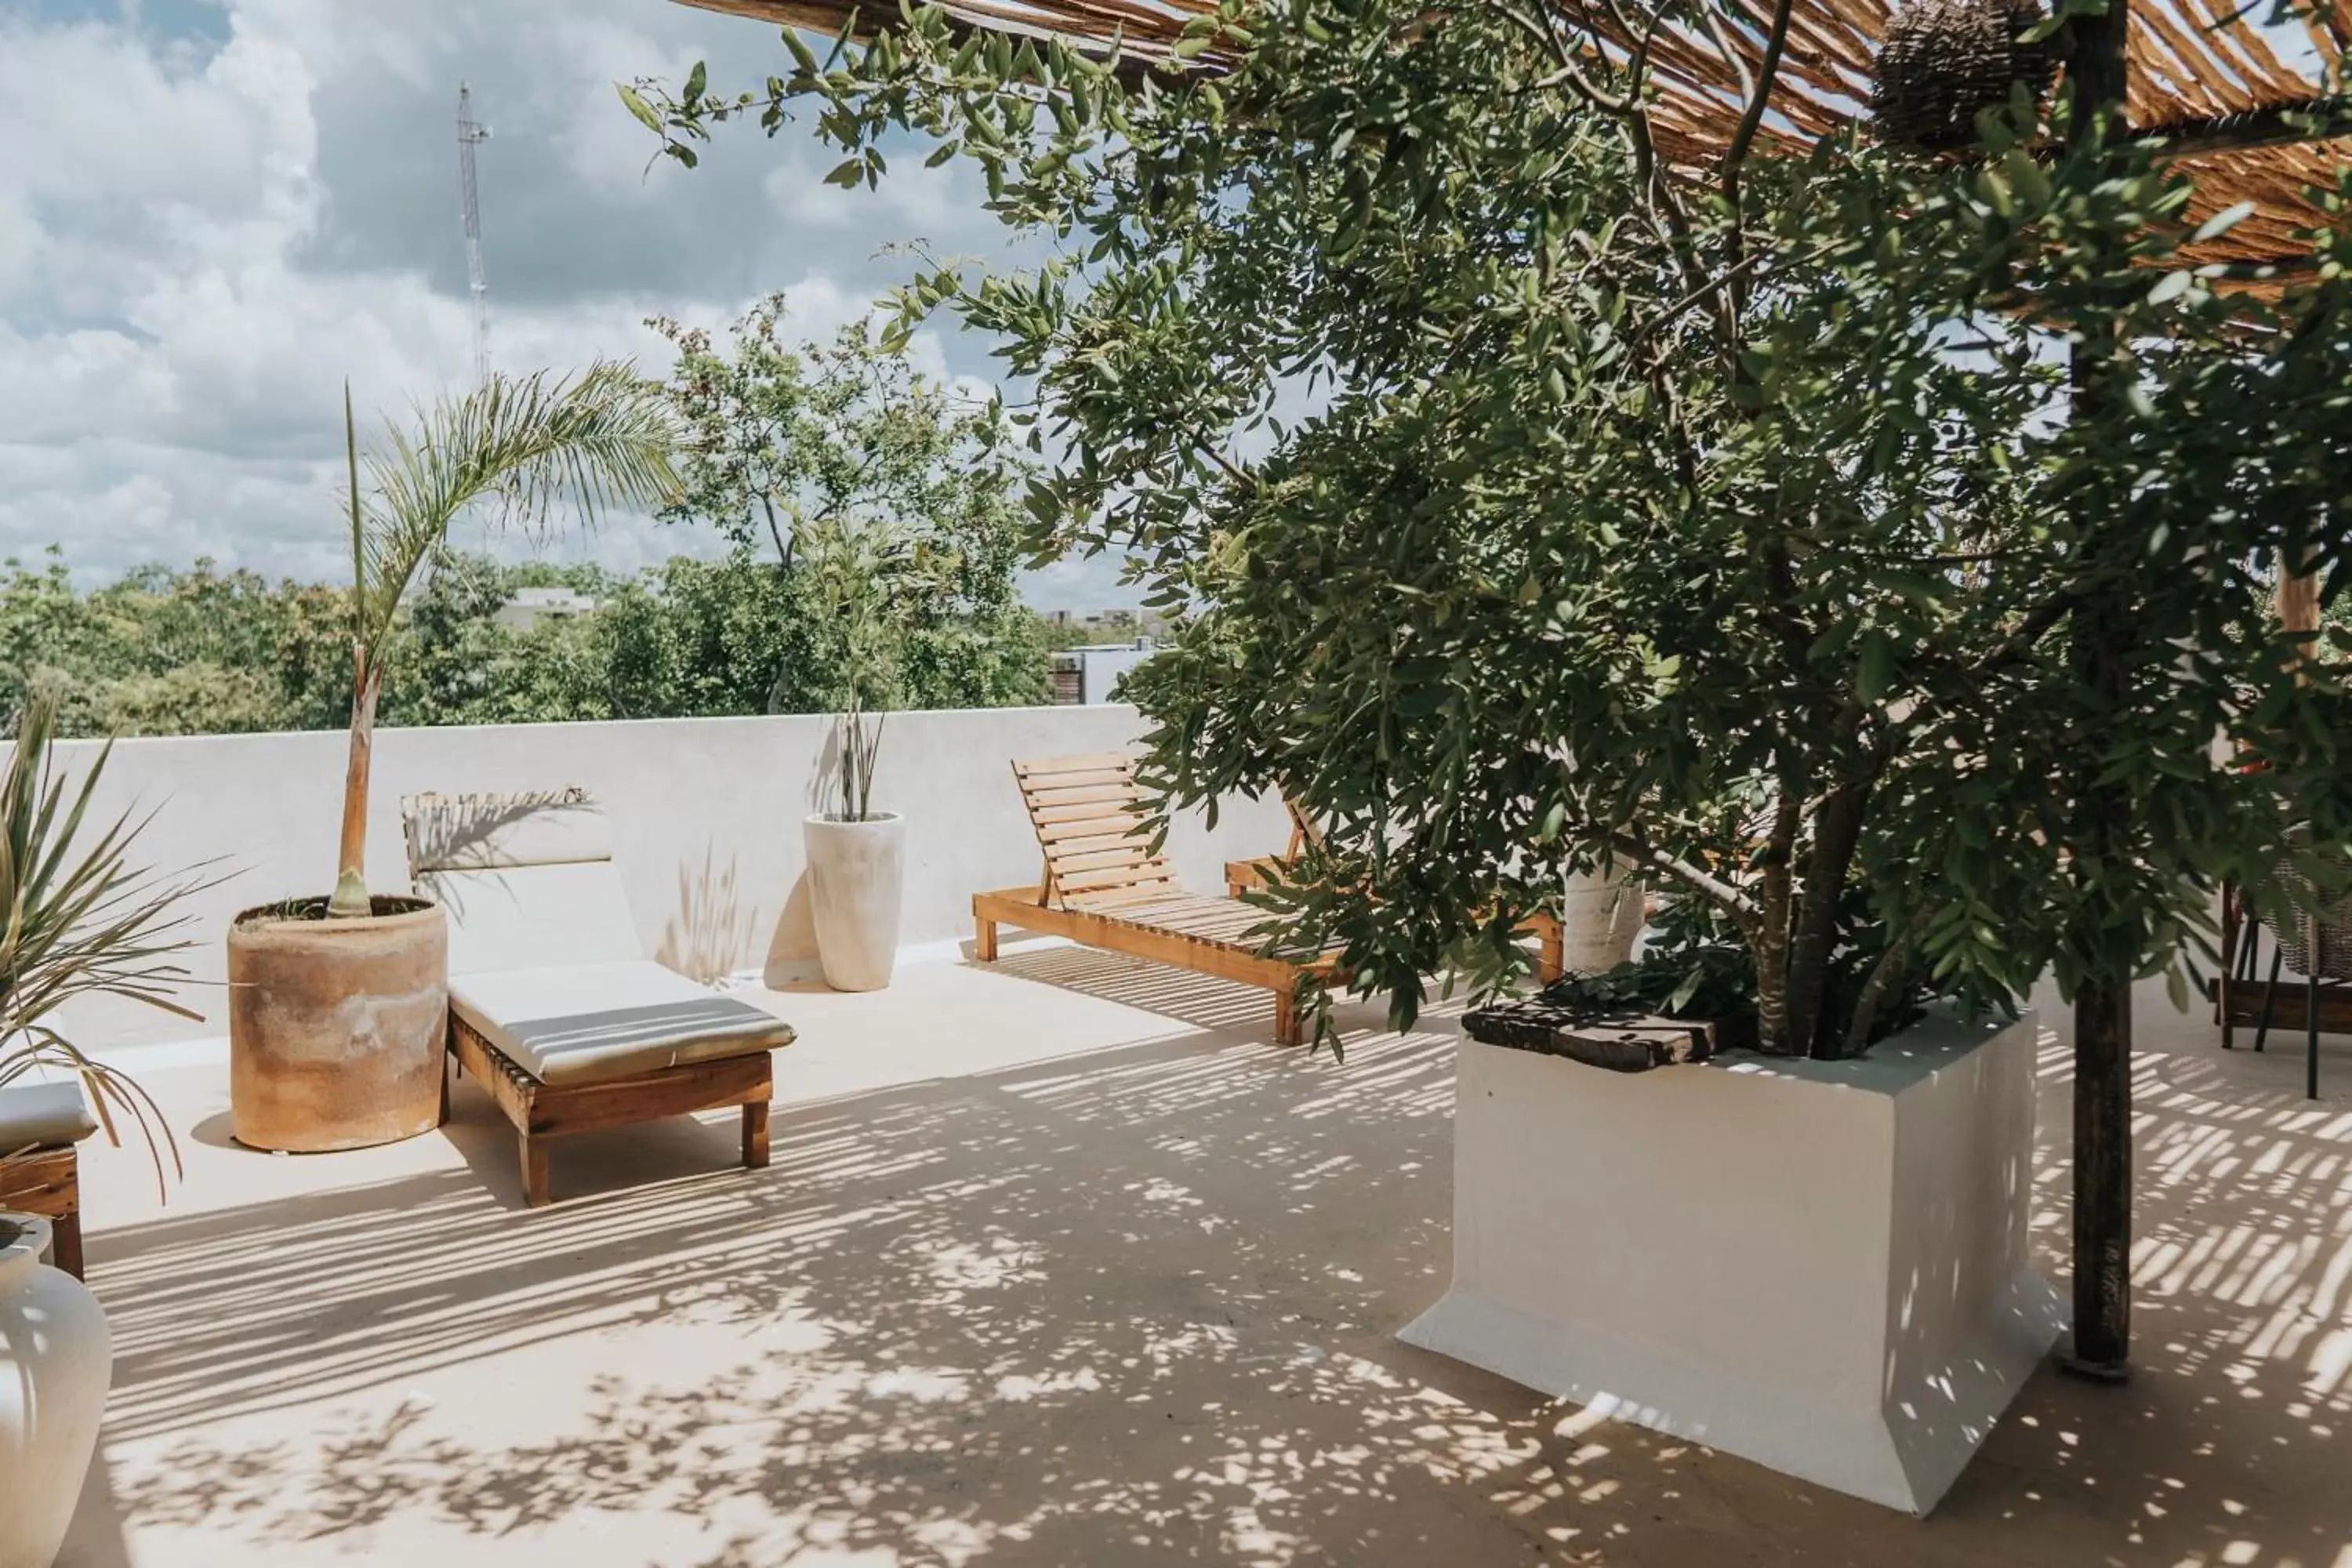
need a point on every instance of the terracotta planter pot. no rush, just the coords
(855, 873)
(56, 1359)
(336, 1028)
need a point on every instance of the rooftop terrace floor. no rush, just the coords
(1062, 1263)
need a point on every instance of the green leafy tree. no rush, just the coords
(1718, 527)
(785, 442)
(160, 651)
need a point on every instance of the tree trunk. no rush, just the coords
(2103, 1181)
(1837, 829)
(1776, 869)
(350, 895)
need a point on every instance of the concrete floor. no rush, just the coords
(1062, 1264)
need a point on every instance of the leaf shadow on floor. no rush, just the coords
(1137, 1305)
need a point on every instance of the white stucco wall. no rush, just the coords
(705, 814)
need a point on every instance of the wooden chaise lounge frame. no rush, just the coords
(722, 1072)
(1241, 876)
(1105, 887)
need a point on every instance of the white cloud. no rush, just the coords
(213, 214)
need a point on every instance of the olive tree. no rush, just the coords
(1542, 495)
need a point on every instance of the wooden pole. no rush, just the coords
(2103, 1005)
(2298, 598)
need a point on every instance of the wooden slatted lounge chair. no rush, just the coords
(1241, 876)
(40, 1172)
(1103, 887)
(553, 1008)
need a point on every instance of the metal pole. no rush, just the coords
(2102, 1006)
(470, 136)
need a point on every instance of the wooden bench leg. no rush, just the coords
(534, 1170)
(1552, 951)
(64, 1242)
(1286, 1018)
(755, 1135)
(984, 940)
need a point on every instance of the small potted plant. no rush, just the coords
(337, 1003)
(856, 854)
(77, 919)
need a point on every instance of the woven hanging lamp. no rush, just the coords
(1945, 61)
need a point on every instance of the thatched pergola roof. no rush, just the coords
(2214, 78)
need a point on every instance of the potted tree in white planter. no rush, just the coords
(856, 853)
(337, 1003)
(1721, 529)
(77, 919)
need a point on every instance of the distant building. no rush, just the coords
(1089, 674)
(1119, 625)
(532, 605)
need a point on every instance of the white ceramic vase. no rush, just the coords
(1601, 916)
(855, 871)
(56, 1360)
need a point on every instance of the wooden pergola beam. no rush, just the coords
(2322, 118)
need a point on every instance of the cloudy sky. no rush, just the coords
(213, 211)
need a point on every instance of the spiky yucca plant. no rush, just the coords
(525, 443)
(78, 918)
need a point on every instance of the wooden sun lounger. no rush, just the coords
(1103, 887)
(554, 1010)
(1241, 876)
(40, 1169)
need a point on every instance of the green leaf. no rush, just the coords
(1682, 993)
(636, 105)
(2222, 222)
(1874, 673)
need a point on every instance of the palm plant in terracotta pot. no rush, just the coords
(336, 1002)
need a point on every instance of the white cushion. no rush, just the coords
(44, 1115)
(584, 1023)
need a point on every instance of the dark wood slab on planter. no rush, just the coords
(1619, 1042)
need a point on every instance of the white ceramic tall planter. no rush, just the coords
(1602, 915)
(856, 872)
(1823, 1267)
(56, 1360)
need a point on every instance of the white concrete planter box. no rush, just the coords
(1823, 1267)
